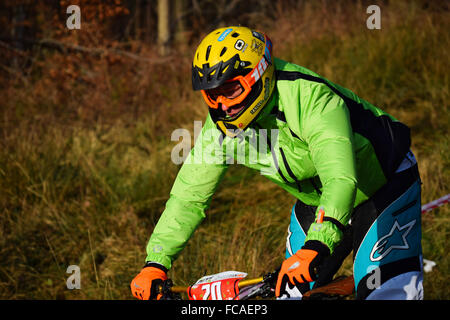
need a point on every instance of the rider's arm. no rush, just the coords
(327, 129)
(190, 196)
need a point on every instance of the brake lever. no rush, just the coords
(265, 289)
(166, 290)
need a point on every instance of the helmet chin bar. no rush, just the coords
(233, 126)
(228, 129)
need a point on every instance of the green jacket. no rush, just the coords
(315, 139)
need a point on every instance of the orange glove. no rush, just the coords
(145, 285)
(300, 267)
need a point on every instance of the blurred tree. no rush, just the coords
(17, 30)
(163, 26)
(179, 20)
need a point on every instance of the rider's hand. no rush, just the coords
(301, 267)
(145, 285)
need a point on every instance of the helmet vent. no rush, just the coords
(223, 51)
(208, 50)
(235, 35)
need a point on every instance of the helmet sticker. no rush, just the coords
(260, 69)
(258, 36)
(224, 34)
(240, 44)
(257, 46)
(267, 54)
(266, 96)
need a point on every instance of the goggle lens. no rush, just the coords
(229, 90)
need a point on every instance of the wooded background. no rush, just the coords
(86, 118)
(166, 23)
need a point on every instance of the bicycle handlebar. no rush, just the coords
(340, 287)
(180, 289)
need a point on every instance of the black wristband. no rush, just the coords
(339, 225)
(155, 265)
(318, 246)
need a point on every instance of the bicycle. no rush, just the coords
(231, 285)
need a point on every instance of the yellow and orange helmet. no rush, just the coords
(234, 55)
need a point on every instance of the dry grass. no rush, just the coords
(85, 164)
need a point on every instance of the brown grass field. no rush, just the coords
(85, 148)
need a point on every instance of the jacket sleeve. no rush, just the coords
(190, 196)
(327, 130)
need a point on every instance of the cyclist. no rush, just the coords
(347, 162)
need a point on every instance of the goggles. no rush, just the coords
(227, 93)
